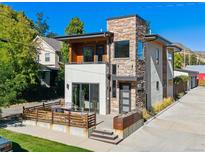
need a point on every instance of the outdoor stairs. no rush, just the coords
(105, 136)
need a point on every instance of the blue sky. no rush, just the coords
(178, 22)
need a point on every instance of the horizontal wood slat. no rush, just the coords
(68, 118)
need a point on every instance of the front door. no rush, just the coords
(125, 98)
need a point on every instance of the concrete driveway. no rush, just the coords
(180, 128)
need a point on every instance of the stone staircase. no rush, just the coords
(105, 136)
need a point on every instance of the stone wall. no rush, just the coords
(129, 28)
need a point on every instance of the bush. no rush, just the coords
(159, 106)
(145, 114)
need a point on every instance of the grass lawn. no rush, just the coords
(23, 142)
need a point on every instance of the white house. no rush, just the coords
(48, 56)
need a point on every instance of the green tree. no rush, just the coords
(178, 60)
(18, 67)
(193, 59)
(41, 24)
(75, 26)
(51, 34)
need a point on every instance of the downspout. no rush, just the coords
(109, 75)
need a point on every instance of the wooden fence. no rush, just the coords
(45, 114)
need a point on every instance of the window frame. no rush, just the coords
(157, 55)
(93, 50)
(140, 56)
(47, 59)
(157, 85)
(114, 69)
(114, 89)
(115, 50)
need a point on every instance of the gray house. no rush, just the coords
(159, 68)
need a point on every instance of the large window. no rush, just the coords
(47, 57)
(122, 49)
(88, 54)
(140, 50)
(86, 96)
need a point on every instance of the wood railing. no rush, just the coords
(75, 119)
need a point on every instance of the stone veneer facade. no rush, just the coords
(129, 28)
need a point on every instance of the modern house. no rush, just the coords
(48, 58)
(118, 70)
(159, 68)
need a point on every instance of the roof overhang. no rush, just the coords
(167, 43)
(84, 36)
(156, 37)
(187, 71)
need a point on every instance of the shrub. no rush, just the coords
(145, 114)
(159, 106)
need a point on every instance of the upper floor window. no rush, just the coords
(140, 49)
(100, 52)
(88, 54)
(47, 57)
(169, 56)
(157, 56)
(122, 49)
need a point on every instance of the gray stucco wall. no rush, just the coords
(153, 74)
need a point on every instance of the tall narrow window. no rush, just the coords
(114, 69)
(114, 89)
(157, 85)
(157, 56)
(99, 53)
(169, 56)
(122, 49)
(140, 50)
(47, 57)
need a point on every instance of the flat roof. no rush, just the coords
(81, 36)
(127, 16)
(198, 68)
(187, 71)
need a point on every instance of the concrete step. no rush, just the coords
(115, 141)
(99, 131)
(105, 136)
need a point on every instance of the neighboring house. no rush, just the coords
(201, 75)
(182, 86)
(159, 68)
(48, 57)
(192, 82)
(106, 72)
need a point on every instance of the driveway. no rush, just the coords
(180, 128)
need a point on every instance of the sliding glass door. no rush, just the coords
(86, 96)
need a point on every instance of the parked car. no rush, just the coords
(5, 145)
